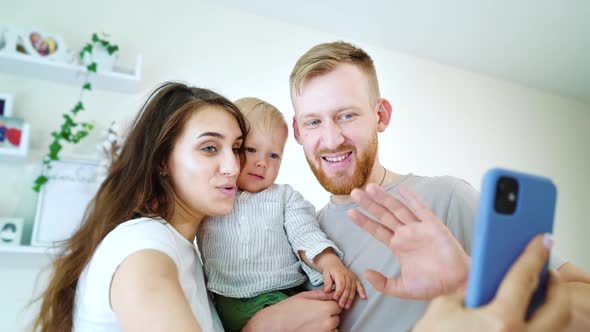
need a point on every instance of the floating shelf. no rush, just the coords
(24, 249)
(35, 67)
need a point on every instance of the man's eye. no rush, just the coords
(313, 123)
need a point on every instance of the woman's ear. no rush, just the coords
(384, 111)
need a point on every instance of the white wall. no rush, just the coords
(445, 121)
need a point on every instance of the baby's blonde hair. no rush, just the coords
(262, 115)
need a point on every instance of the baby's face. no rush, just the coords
(263, 154)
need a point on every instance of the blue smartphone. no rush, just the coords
(513, 208)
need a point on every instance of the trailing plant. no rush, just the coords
(71, 131)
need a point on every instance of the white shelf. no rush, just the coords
(49, 251)
(34, 67)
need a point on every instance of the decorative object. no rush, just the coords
(5, 104)
(101, 52)
(14, 137)
(40, 44)
(63, 200)
(11, 230)
(71, 131)
(108, 150)
(8, 38)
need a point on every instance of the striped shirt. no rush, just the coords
(253, 249)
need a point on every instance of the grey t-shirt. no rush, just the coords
(453, 200)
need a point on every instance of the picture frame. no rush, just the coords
(44, 45)
(11, 230)
(14, 137)
(6, 104)
(63, 200)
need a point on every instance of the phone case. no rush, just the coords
(500, 238)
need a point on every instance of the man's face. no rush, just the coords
(336, 123)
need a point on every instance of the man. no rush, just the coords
(338, 115)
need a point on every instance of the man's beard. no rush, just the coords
(340, 183)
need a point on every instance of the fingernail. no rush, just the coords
(547, 240)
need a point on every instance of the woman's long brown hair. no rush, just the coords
(133, 188)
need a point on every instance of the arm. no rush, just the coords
(307, 311)
(146, 295)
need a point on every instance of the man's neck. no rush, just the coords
(383, 179)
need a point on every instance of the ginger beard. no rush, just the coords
(341, 183)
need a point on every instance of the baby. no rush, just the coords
(256, 255)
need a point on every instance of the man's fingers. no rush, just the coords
(555, 314)
(378, 231)
(389, 286)
(377, 207)
(392, 205)
(522, 279)
(416, 205)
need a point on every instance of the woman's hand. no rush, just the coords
(507, 310)
(306, 311)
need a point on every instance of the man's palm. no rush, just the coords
(431, 260)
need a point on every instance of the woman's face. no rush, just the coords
(204, 163)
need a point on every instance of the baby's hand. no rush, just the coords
(347, 284)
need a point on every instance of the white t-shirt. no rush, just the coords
(92, 309)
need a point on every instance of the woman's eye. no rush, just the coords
(237, 150)
(251, 150)
(209, 149)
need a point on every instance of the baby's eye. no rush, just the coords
(275, 156)
(251, 150)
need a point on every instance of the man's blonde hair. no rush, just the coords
(323, 58)
(262, 115)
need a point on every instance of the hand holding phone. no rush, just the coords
(513, 208)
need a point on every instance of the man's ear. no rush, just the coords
(296, 131)
(384, 111)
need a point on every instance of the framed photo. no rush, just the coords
(11, 230)
(44, 45)
(14, 137)
(63, 200)
(6, 101)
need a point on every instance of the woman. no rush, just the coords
(132, 265)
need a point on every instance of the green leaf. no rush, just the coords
(86, 49)
(95, 38)
(112, 49)
(87, 125)
(92, 67)
(40, 181)
(54, 149)
(79, 107)
(87, 86)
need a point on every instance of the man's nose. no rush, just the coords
(332, 136)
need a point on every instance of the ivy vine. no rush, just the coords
(70, 130)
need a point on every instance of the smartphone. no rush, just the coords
(513, 208)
